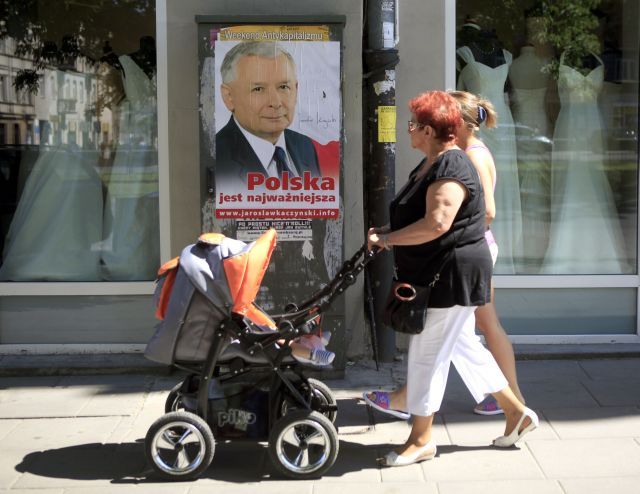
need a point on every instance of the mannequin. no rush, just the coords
(484, 67)
(585, 235)
(56, 230)
(145, 56)
(110, 57)
(529, 84)
(483, 43)
(131, 223)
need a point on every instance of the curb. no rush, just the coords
(130, 363)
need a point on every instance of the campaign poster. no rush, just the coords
(277, 122)
(266, 85)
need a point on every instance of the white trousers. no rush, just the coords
(449, 336)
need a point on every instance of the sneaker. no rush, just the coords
(488, 406)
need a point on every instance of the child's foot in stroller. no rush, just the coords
(315, 356)
(322, 357)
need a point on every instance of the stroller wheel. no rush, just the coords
(179, 446)
(322, 396)
(303, 444)
(174, 400)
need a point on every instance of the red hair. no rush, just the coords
(438, 110)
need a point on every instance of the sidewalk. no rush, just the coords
(84, 435)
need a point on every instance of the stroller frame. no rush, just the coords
(297, 406)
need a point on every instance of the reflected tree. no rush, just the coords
(55, 33)
(570, 27)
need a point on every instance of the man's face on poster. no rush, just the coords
(263, 96)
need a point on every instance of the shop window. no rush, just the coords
(564, 86)
(94, 202)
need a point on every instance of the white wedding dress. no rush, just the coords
(131, 222)
(585, 235)
(56, 230)
(533, 145)
(489, 82)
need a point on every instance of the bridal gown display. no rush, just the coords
(56, 230)
(533, 146)
(131, 223)
(585, 235)
(489, 83)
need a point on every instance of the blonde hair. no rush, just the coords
(475, 110)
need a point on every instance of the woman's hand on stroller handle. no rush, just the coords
(377, 239)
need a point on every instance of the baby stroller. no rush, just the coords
(242, 382)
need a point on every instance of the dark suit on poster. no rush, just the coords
(235, 156)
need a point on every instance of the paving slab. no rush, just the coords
(126, 488)
(532, 371)
(617, 485)
(43, 402)
(470, 463)
(538, 486)
(7, 425)
(239, 462)
(375, 488)
(8, 473)
(576, 423)
(84, 466)
(109, 383)
(478, 430)
(134, 427)
(409, 474)
(116, 403)
(356, 463)
(388, 433)
(30, 491)
(586, 458)
(265, 487)
(615, 393)
(558, 392)
(52, 434)
(611, 369)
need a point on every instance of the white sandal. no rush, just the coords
(516, 433)
(393, 459)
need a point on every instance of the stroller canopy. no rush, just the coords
(212, 279)
(244, 272)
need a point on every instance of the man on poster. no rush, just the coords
(260, 88)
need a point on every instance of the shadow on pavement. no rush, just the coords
(238, 462)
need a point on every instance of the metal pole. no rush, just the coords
(380, 59)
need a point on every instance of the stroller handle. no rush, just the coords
(322, 299)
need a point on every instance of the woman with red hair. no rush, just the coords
(437, 226)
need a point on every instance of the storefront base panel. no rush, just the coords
(83, 320)
(568, 311)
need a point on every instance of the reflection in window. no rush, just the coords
(565, 89)
(79, 199)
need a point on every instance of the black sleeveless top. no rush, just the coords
(465, 278)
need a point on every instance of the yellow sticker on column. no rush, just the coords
(386, 124)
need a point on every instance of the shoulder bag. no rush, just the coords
(406, 308)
